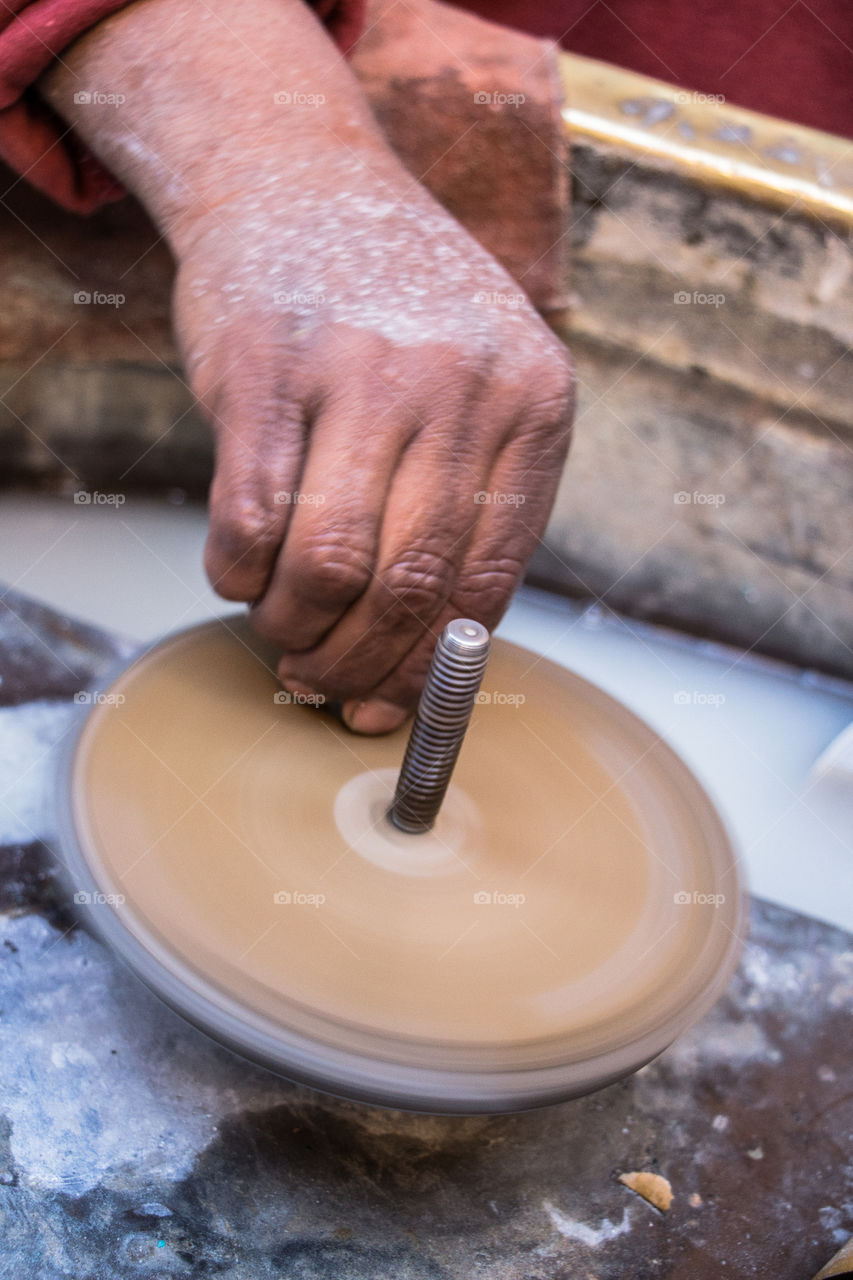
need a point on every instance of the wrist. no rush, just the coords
(157, 93)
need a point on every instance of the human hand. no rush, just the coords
(390, 415)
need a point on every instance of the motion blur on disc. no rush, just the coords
(575, 906)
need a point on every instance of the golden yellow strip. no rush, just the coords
(710, 141)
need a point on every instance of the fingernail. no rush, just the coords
(373, 716)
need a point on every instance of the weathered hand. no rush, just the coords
(390, 414)
(390, 417)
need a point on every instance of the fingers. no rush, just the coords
(427, 522)
(357, 544)
(520, 490)
(487, 579)
(259, 453)
(330, 551)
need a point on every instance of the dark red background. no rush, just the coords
(789, 59)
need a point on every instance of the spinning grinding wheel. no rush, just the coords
(571, 906)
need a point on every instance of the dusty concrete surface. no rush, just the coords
(132, 1146)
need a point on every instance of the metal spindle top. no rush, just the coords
(442, 718)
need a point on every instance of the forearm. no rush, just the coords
(214, 100)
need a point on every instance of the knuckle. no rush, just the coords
(553, 383)
(330, 571)
(544, 425)
(537, 404)
(418, 580)
(243, 540)
(240, 527)
(487, 587)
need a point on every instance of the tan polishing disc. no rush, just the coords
(576, 905)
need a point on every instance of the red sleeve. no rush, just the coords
(36, 142)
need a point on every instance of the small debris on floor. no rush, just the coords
(651, 1186)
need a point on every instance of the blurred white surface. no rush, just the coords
(751, 729)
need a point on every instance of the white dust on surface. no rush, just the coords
(572, 1229)
(29, 736)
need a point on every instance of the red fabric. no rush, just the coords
(789, 60)
(33, 139)
(792, 60)
(344, 19)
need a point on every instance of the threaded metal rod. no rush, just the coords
(442, 718)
